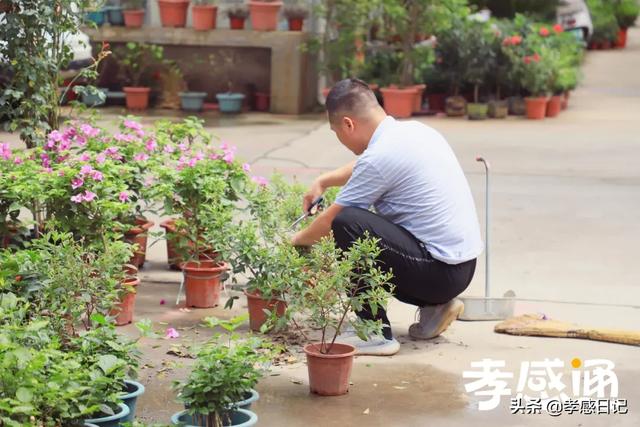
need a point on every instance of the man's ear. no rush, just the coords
(348, 123)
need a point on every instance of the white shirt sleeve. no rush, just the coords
(365, 187)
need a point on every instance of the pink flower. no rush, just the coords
(77, 182)
(536, 57)
(214, 156)
(183, 146)
(246, 167)
(151, 145)
(123, 138)
(97, 175)
(199, 156)
(228, 157)
(85, 157)
(260, 180)
(86, 170)
(88, 196)
(141, 157)
(148, 181)
(162, 302)
(81, 140)
(171, 333)
(123, 196)
(558, 28)
(55, 136)
(192, 162)
(101, 158)
(46, 161)
(89, 130)
(113, 152)
(132, 125)
(77, 198)
(516, 40)
(169, 149)
(17, 160)
(224, 146)
(5, 151)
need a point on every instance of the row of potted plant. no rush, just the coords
(611, 21)
(173, 13)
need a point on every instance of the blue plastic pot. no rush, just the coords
(192, 101)
(97, 17)
(250, 397)
(133, 390)
(93, 100)
(239, 418)
(230, 102)
(115, 15)
(111, 420)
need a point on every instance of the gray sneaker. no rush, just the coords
(435, 319)
(374, 346)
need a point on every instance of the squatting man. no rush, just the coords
(424, 215)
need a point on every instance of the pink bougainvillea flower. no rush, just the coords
(77, 182)
(516, 40)
(101, 158)
(5, 151)
(81, 140)
(89, 130)
(214, 156)
(133, 125)
(123, 196)
(171, 333)
(151, 145)
(55, 136)
(192, 162)
(86, 170)
(544, 31)
(89, 196)
(113, 152)
(169, 148)
(162, 302)
(97, 175)
(260, 180)
(228, 156)
(183, 146)
(17, 160)
(77, 198)
(246, 167)
(199, 156)
(141, 157)
(558, 28)
(224, 146)
(84, 157)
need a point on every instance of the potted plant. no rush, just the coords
(230, 102)
(173, 13)
(605, 25)
(95, 13)
(133, 13)
(204, 14)
(338, 284)
(264, 14)
(114, 12)
(296, 14)
(626, 12)
(478, 58)
(136, 60)
(225, 370)
(535, 79)
(191, 100)
(237, 15)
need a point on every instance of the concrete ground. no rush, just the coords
(565, 223)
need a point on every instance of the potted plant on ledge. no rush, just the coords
(133, 13)
(173, 13)
(296, 14)
(478, 58)
(136, 60)
(204, 14)
(264, 14)
(237, 15)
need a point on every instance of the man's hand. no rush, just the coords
(314, 192)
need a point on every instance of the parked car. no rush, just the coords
(574, 17)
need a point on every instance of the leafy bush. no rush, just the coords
(626, 12)
(605, 25)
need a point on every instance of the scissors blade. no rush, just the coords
(297, 221)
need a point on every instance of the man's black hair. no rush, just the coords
(350, 96)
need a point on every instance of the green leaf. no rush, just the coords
(24, 395)
(107, 362)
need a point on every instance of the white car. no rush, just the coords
(574, 17)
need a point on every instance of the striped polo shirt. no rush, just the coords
(411, 176)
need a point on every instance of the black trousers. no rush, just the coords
(419, 279)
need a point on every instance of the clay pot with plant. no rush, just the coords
(133, 13)
(173, 13)
(204, 14)
(478, 57)
(452, 53)
(605, 24)
(339, 284)
(237, 16)
(264, 14)
(227, 368)
(296, 14)
(626, 12)
(229, 102)
(536, 75)
(136, 62)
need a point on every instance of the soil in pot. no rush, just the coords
(329, 374)
(536, 108)
(132, 390)
(264, 15)
(202, 282)
(192, 101)
(204, 16)
(124, 310)
(137, 98)
(477, 111)
(295, 24)
(173, 13)
(104, 420)
(133, 18)
(257, 305)
(517, 106)
(554, 105)
(498, 109)
(456, 106)
(399, 103)
(138, 235)
(237, 418)
(230, 103)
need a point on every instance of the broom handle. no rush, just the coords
(487, 286)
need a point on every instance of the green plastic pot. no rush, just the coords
(133, 390)
(250, 397)
(92, 100)
(192, 101)
(239, 418)
(111, 420)
(230, 103)
(498, 109)
(477, 111)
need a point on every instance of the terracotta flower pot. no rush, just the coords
(399, 103)
(173, 13)
(264, 15)
(621, 41)
(554, 106)
(536, 107)
(436, 101)
(133, 18)
(137, 98)
(262, 101)
(138, 235)
(455, 106)
(204, 17)
(329, 374)
(236, 23)
(417, 106)
(124, 310)
(295, 24)
(257, 305)
(565, 100)
(202, 282)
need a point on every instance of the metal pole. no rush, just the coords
(487, 287)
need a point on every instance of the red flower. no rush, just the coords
(544, 31)
(558, 28)
(527, 60)
(506, 42)
(105, 46)
(516, 40)
(536, 57)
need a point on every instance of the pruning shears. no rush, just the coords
(316, 203)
